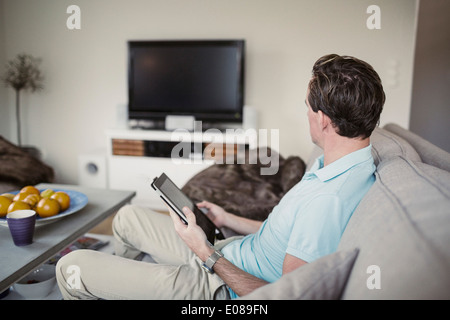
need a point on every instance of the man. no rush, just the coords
(344, 101)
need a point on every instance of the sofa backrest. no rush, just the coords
(428, 152)
(401, 228)
(386, 145)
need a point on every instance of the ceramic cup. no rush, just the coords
(21, 225)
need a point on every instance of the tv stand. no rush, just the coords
(135, 157)
(146, 124)
(160, 125)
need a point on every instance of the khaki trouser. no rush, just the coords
(176, 275)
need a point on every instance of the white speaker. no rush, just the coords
(92, 170)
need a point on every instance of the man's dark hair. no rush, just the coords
(349, 91)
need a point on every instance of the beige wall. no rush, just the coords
(86, 69)
(4, 110)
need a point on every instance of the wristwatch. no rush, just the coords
(209, 263)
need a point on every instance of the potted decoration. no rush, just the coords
(23, 73)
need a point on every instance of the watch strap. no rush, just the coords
(211, 261)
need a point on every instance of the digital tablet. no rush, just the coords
(176, 200)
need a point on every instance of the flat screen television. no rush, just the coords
(200, 78)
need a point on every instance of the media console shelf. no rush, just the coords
(135, 157)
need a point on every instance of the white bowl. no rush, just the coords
(38, 284)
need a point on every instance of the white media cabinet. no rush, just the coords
(135, 157)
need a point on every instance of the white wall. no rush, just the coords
(4, 110)
(86, 69)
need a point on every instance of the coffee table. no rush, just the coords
(49, 239)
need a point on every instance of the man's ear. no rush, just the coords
(324, 121)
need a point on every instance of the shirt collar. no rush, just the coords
(341, 165)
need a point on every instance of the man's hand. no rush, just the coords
(215, 213)
(222, 218)
(192, 234)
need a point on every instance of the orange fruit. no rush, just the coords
(20, 196)
(32, 199)
(18, 205)
(8, 195)
(5, 202)
(47, 207)
(30, 189)
(63, 199)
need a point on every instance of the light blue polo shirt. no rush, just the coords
(309, 220)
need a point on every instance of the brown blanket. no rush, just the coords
(242, 190)
(18, 167)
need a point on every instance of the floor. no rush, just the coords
(104, 227)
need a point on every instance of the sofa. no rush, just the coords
(397, 242)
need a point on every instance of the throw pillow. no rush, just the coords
(323, 279)
(20, 168)
(241, 189)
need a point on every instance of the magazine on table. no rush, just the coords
(84, 242)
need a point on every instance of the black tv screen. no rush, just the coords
(200, 78)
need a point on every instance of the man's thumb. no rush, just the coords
(190, 216)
